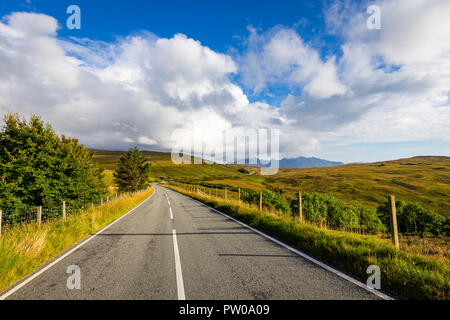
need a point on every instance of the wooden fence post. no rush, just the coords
(0, 222)
(64, 210)
(300, 206)
(260, 200)
(39, 215)
(394, 230)
(239, 196)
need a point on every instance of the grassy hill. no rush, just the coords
(422, 179)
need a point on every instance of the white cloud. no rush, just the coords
(114, 95)
(147, 141)
(281, 56)
(398, 78)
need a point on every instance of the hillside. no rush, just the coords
(422, 179)
(425, 179)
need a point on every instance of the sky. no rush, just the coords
(139, 71)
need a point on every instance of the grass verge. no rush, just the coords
(403, 274)
(26, 247)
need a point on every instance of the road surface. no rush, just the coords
(173, 247)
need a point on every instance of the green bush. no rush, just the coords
(414, 219)
(369, 221)
(322, 208)
(37, 167)
(269, 198)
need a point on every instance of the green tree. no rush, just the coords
(133, 171)
(37, 167)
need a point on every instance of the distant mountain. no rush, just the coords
(303, 162)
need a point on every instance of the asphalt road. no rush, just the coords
(173, 247)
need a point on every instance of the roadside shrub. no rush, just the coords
(412, 218)
(322, 208)
(270, 199)
(38, 167)
(369, 221)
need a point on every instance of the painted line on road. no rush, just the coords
(304, 255)
(171, 214)
(179, 274)
(38, 273)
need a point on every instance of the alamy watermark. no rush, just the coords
(74, 20)
(74, 281)
(374, 281)
(259, 147)
(374, 20)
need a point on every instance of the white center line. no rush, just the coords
(180, 285)
(171, 214)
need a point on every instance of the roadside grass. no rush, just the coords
(26, 247)
(406, 274)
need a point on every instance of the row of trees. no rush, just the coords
(324, 209)
(40, 168)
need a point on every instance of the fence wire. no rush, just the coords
(49, 213)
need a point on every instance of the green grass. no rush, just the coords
(425, 180)
(404, 274)
(25, 248)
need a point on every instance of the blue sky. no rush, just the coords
(311, 69)
(219, 25)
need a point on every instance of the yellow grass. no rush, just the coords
(24, 248)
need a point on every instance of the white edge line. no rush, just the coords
(304, 255)
(179, 274)
(38, 273)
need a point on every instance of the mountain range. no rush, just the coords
(304, 162)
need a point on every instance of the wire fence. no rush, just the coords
(42, 214)
(230, 194)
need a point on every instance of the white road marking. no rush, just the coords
(304, 255)
(171, 214)
(38, 273)
(180, 285)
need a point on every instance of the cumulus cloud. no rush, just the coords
(113, 95)
(281, 56)
(398, 75)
